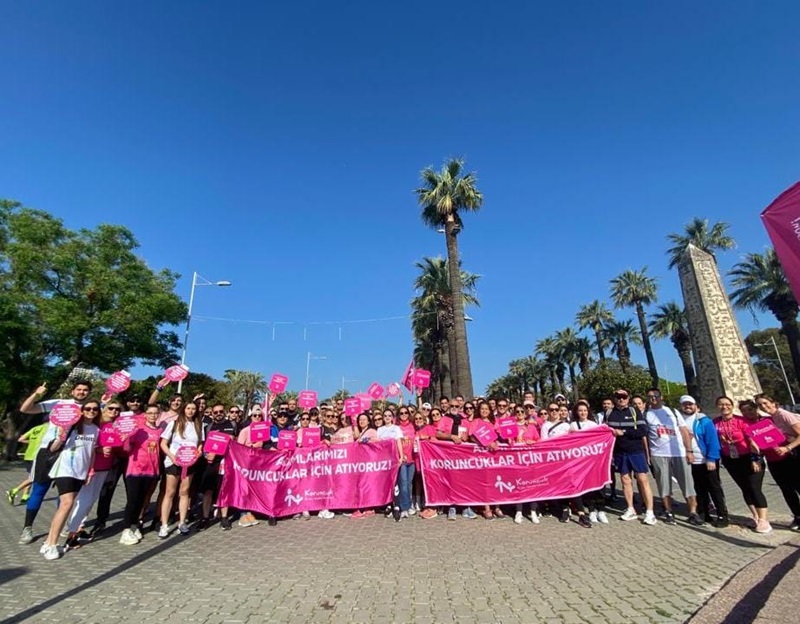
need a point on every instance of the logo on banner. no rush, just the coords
(290, 499)
(502, 486)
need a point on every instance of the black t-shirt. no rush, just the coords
(223, 426)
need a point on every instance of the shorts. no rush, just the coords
(176, 471)
(664, 468)
(28, 463)
(68, 485)
(211, 479)
(626, 463)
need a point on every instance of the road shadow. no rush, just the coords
(9, 574)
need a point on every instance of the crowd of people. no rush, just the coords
(676, 445)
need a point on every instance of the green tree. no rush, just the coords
(444, 196)
(635, 289)
(547, 349)
(761, 284)
(594, 316)
(768, 364)
(567, 351)
(601, 381)
(621, 334)
(670, 322)
(342, 394)
(245, 388)
(698, 233)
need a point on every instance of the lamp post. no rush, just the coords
(195, 284)
(310, 357)
(780, 362)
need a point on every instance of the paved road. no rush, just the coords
(373, 571)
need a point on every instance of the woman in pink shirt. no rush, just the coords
(365, 431)
(527, 433)
(742, 461)
(244, 435)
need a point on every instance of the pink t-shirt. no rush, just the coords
(103, 462)
(445, 425)
(143, 446)
(732, 434)
(785, 421)
(529, 431)
(409, 433)
(427, 430)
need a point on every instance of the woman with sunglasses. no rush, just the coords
(391, 431)
(408, 466)
(485, 415)
(527, 433)
(103, 464)
(71, 471)
(428, 432)
(186, 430)
(582, 420)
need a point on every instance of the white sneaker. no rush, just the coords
(535, 517)
(593, 517)
(52, 552)
(64, 532)
(602, 518)
(27, 535)
(326, 514)
(649, 518)
(43, 548)
(138, 534)
(403, 514)
(183, 528)
(163, 532)
(305, 515)
(630, 514)
(128, 538)
(412, 511)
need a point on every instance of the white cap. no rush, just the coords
(687, 399)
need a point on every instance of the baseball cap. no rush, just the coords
(687, 399)
(560, 396)
(426, 406)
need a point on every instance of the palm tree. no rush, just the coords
(621, 334)
(583, 347)
(432, 320)
(245, 387)
(761, 284)
(548, 350)
(594, 315)
(567, 352)
(444, 196)
(670, 322)
(701, 236)
(635, 289)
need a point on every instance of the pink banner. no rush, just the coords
(564, 467)
(782, 221)
(282, 483)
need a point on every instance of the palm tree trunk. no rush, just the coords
(463, 375)
(444, 364)
(599, 338)
(573, 381)
(624, 355)
(648, 349)
(685, 354)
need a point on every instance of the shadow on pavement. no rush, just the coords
(9, 574)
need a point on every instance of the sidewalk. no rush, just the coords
(766, 591)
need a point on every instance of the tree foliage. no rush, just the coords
(601, 381)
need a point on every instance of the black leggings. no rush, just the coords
(786, 473)
(106, 494)
(707, 485)
(749, 482)
(138, 487)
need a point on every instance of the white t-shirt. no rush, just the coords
(584, 425)
(554, 429)
(189, 438)
(663, 432)
(698, 454)
(77, 455)
(390, 432)
(45, 407)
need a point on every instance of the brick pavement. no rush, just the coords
(373, 571)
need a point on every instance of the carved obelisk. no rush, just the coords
(721, 359)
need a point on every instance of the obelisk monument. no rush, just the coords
(721, 358)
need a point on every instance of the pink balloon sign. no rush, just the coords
(393, 389)
(352, 406)
(65, 414)
(185, 456)
(278, 383)
(176, 373)
(375, 391)
(126, 424)
(307, 399)
(118, 382)
(422, 378)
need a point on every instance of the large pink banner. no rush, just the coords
(782, 220)
(562, 467)
(282, 483)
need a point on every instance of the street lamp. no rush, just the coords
(780, 361)
(195, 284)
(310, 357)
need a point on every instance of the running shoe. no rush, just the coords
(630, 514)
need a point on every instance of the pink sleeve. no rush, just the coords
(244, 436)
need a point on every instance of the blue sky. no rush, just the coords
(277, 146)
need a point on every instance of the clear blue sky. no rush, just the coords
(277, 145)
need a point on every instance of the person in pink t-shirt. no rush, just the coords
(485, 414)
(527, 433)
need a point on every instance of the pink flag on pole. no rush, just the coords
(782, 221)
(408, 377)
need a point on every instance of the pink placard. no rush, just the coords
(393, 389)
(278, 383)
(259, 431)
(118, 382)
(484, 433)
(185, 456)
(766, 435)
(366, 401)
(287, 439)
(375, 391)
(307, 399)
(310, 437)
(507, 428)
(352, 406)
(176, 373)
(216, 443)
(109, 436)
(65, 414)
(126, 424)
(422, 378)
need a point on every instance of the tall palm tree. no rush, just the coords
(635, 289)
(593, 316)
(546, 348)
(567, 352)
(761, 284)
(444, 196)
(670, 322)
(583, 347)
(621, 334)
(698, 233)
(432, 319)
(245, 387)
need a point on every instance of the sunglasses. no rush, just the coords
(502, 405)
(114, 409)
(91, 409)
(218, 412)
(403, 412)
(134, 401)
(419, 420)
(519, 410)
(468, 407)
(305, 418)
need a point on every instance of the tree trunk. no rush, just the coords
(684, 349)
(648, 349)
(574, 381)
(444, 365)
(598, 336)
(624, 355)
(463, 374)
